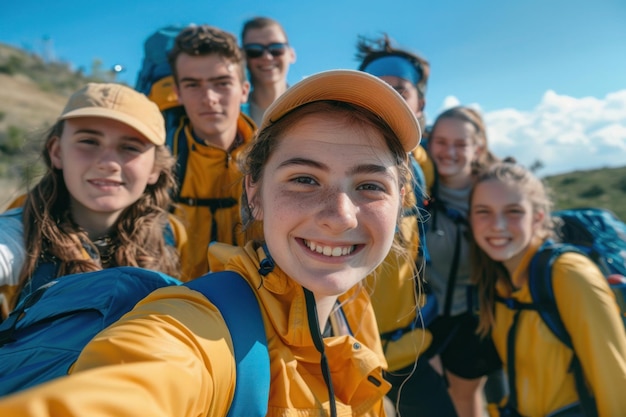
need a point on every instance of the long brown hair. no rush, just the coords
(485, 271)
(137, 238)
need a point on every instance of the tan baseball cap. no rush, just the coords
(354, 87)
(121, 103)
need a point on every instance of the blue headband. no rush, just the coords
(396, 66)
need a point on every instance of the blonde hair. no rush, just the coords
(485, 271)
(137, 239)
(473, 117)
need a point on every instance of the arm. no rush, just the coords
(12, 255)
(164, 358)
(588, 310)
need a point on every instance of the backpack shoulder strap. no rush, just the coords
(180, 149)
(234, 297)
(542, 290)
(542, 293)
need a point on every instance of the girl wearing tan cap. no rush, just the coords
(103, 199)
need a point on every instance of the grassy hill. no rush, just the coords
(594, 188)
(33, 93)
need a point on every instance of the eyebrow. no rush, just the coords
(226, 77)
(359, 169)
(100, 133)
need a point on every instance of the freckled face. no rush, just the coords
(330, 199)
(503, 222)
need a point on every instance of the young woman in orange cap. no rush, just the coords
(325, 180)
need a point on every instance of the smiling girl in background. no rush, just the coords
(511, 223)
(103, 200)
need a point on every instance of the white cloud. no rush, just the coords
(564, 133)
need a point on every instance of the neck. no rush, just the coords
(264, 94)
(325, 305)
(222, 140)
(457, 182)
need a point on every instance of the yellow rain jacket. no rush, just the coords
(173, 356)
(588, 309)
(211, 173)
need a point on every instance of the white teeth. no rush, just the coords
(498, 241)
(328, 250)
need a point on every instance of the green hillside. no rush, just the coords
(595, 188)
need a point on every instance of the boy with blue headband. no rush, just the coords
(408, 74)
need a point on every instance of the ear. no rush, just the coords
(292, 53)
(54, 150)
(538, 218)
(154, 176)
(245, 91)
(252, 191)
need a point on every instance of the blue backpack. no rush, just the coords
(155, 78)
(44, 335)
(598, 234)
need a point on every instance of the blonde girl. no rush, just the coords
(458, 146)
(510, 221)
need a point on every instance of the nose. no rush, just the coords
(210, 96)
(108, 159)
(338, 212)
(450, 150)
(499, 222)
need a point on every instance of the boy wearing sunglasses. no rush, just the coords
(207, 65)
(268, 56)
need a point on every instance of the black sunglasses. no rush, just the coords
(256, 50)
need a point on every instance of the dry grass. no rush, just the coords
(9, 190)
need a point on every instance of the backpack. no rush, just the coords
(601, 236)
(155, 78)
(43, 336)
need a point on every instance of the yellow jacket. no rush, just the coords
(587, 307)
(211, 173)
(173, 356)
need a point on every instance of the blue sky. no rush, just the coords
(536, 68)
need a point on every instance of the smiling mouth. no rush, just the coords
(105, 183)
(329, 250)
(498, 242)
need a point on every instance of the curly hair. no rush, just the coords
(369, 50)
(202, 40)
(137, 238)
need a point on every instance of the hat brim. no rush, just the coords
(128, 120)
(354, 87)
